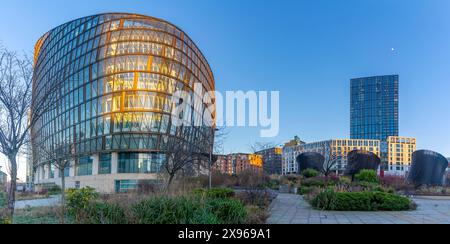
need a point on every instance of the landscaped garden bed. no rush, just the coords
(339, 193)
(201, 206)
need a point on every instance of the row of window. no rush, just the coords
(128, 163)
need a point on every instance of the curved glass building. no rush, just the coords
(115, 76)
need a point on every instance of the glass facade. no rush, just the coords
(115, 75)
(374, 107)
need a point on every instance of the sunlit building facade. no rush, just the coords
(335, 152)
(238, 163)
(116, 75)
(400, 154)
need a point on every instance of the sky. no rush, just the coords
(308, 50)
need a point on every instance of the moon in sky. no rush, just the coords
(392, 49)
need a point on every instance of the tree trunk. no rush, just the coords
(169, 182)
(13, 185)
(63, 195)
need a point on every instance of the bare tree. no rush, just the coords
(18, 111)
(260, 146)
(179, 155)
(185, 157)
(330, 162)
(61, 157)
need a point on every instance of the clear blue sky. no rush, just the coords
(306, 49)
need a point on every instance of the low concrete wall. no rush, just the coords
(102, 183)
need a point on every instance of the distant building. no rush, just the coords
(3, 177)
(374, 112)
(336, 148)
(400, 150)
(272, 160)
(237, 163)
(294, 142)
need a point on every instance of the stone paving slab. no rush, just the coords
(293, 209)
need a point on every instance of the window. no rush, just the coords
(77, 185)
(104, 163)
(84, 166)
(126, 185)
(67, 171)
(140, 162)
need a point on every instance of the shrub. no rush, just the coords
(228, 211)
(368, 186)
(220, 193)
(304, 190)
(79, 202)
(351, 201)
(325, 199)
(366, 175)
(397, 182)
(314, 182)
(249, 178)
(54, 190)
(105, 213)
(214, 193)
(310, 173)
(389, 202)
(256, 215)
(361, 201)
(4, 216)
(3, 199)
(164, 210)
(189, 210)
(258, 197)
(345, 180)
(273, 184)
(205, 217)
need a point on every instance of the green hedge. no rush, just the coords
(360, 201)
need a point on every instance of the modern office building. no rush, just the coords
(400, 154)
(335, 152)
(238, 163)
(115, 75)
(272, 158)
(374, 108)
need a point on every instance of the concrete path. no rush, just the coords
(292, 209)
(47, 202)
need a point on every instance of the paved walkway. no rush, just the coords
(292, 209)
(47, 202)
